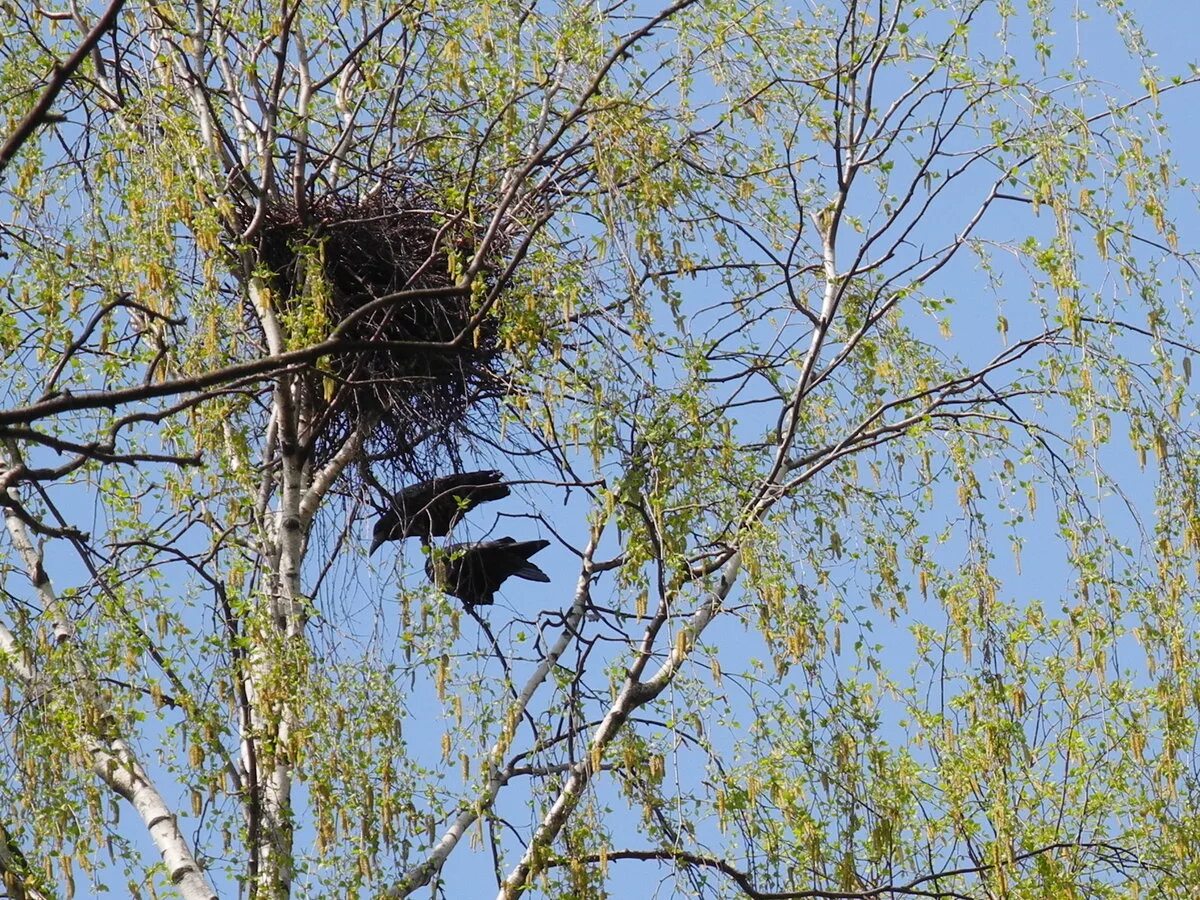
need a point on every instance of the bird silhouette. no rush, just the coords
(430, 509)
(473, 572)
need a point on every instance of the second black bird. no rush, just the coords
(474, 572)
(430, 509)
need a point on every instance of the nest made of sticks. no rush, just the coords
(418, 404)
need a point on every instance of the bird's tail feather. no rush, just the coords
(530, 572)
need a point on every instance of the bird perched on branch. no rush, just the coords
(430, 509)
(473, 572)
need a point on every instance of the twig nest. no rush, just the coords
(417, 402)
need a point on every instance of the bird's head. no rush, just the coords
(382, 531)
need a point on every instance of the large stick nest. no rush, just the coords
(418, 404)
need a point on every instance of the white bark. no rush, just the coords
(283, 555)
(112, 759)
(116, 764)
(633, 694)
(299, 498)
(636, 692)
(422, 873)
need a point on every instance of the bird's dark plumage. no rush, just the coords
(430, 509)
(474, 572)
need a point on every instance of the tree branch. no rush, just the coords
(59, 76)
(1120, 856)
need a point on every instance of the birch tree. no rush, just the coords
(843, 353)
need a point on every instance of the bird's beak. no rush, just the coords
(375, 542)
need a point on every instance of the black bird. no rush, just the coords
(430, 509)
(474, 572)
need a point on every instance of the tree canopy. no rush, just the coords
(841, 353)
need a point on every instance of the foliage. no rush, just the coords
(845, 354)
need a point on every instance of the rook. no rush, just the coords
(474, 572)
(430, 509)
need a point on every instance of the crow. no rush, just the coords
(430, 509)
(473, 572)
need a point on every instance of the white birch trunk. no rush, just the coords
(112, 759)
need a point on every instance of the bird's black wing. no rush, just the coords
(436, 504)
